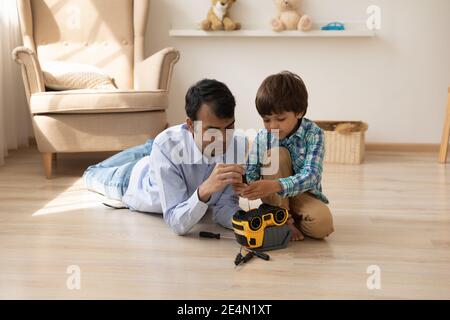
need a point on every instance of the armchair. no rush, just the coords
(106, 34)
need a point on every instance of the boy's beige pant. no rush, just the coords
(311, 216)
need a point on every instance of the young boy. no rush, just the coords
(282, 102)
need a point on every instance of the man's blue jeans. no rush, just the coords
(112, 176)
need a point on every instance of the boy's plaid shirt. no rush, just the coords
(306, 147)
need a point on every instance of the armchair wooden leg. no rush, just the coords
(47, 159)
(55, 159)
(445, 135)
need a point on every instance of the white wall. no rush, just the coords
(397, 81)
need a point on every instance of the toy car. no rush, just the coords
(264, 228)
(334, 26)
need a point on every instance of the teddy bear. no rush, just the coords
(219, 18)
(290, 17)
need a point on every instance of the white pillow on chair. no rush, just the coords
(72, 76)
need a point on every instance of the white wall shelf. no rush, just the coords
(352, 30)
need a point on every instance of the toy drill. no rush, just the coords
(262, 229)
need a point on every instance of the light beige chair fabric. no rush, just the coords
(107, 34)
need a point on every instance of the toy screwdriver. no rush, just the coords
(218, 236)
(243, 259)
(211, 235)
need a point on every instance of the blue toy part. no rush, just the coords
(334, 26)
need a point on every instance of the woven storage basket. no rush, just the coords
(348, 148)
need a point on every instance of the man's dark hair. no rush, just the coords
(282, 92)
(213, 93)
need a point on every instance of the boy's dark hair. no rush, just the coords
(215, 94)
(282, 92)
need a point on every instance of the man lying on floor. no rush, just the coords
(186, 170)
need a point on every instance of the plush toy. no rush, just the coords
(219, 18)
(290, 17)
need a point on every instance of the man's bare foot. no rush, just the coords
(297, 235)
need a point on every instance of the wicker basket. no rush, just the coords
(342, 148)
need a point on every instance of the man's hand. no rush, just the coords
(239, 188)
(222, 176)
(260, 189)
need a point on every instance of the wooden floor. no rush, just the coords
(392, 212)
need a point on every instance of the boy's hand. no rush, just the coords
(239, 188)
(260, 189)
(222, 176)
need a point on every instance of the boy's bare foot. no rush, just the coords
(297, 235)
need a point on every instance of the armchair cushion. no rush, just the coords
(98, 101)
(60, 75)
